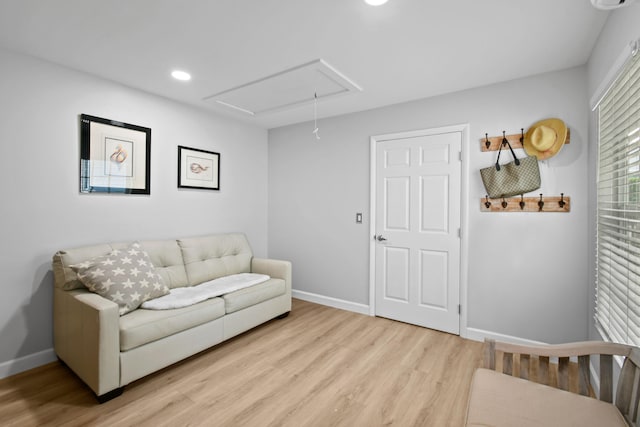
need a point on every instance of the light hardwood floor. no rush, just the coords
(318, 367)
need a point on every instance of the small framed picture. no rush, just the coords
(115, 157)
(198, 168)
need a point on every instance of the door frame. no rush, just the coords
(464, 211)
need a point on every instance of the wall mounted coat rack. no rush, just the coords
(492, 143)
(527, 204)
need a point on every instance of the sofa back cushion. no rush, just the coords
(209, 257)
(165, 255)
(126, 277)
(63, 275)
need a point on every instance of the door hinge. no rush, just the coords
(460, 155)
(459, 309)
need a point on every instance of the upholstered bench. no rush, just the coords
(502, 399)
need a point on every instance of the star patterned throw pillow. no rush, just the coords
(126, 277)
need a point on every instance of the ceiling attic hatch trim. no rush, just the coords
(287, 89)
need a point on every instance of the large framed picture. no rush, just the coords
(115, 157)
(198, 168)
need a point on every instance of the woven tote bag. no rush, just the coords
(517, 177)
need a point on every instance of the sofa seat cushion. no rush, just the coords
(497, 399)
(253, 295)
(144, 326)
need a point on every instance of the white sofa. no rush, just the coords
(108, 351)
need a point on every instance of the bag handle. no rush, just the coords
(505, 141)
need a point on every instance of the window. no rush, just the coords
(618, 215)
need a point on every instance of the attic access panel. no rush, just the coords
(287, 89)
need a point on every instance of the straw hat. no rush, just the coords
(545, 138)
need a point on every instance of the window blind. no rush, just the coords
(618, 208)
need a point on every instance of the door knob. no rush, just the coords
(379, 238)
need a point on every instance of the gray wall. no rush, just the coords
(527, 272)
(42, 211)
(622, 26)
(619, 30)
(518, 263)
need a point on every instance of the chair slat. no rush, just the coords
(490, 354)
(606, 378)
(524, 366)
(634, 358)
(563, 373)
(636, 401)
(507, 363)
(543, 370)
(624, 393)
(584, 380)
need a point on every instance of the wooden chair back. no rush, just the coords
(537, 363)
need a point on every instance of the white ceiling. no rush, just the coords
(401, 51)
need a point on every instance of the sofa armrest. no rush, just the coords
(275, 268)
(87, 337)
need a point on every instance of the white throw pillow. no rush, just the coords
(126, 277)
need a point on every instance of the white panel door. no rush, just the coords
(417, 229)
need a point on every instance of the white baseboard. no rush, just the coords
(21, 364)
(480, 334)
(331, 302)
(471, 333)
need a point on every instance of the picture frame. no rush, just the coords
(198, 168)
(115, 157)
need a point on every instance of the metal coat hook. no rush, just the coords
(561, 203)
(487, 143)
(487, 203)
(504, 203)
(504, 139)
(521, 135)
(540, 204)
(521, 202)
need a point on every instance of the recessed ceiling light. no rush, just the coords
(375, 2)
(181, 75)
